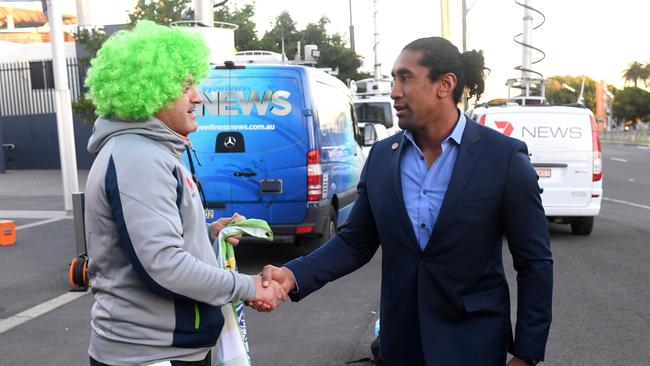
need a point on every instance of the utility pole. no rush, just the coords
(83, 14)
(204, 12)
(284, 58)
(527, 37)
(444, 18)
(376, 48)
(65, 128)
(464, 18)
(465, 11)
(351, 29)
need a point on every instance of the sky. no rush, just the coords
(598, 39)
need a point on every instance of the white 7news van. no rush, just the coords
(565, 151)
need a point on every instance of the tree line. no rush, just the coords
(630, 104)
(334, 52)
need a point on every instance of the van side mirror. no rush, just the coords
(369, 134)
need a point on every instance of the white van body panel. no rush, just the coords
(560, 145)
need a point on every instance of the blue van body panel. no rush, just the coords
(253, 116)
(341, 156)
(275, 116)
(343, 215)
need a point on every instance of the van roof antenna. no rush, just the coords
(533, 88)
(581, 97)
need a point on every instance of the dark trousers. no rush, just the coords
(205, 362)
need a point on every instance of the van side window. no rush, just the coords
(334, 116)
(375, 112)
(355, 125)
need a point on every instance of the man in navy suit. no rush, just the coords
(440, 197)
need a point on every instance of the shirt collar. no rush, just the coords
(456, 134)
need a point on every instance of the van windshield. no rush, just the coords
(375, 112)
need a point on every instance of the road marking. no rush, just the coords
(644, 147)
(619, 159)
(38, 310)
(638, 205)
(32, 214)
(39, 223)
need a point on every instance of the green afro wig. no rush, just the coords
(138, 72)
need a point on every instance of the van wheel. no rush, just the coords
(331, 225)
(583, 226)
(329, 232)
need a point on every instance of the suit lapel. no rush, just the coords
(468, 153)
(396, 173)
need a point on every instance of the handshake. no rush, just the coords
(272, 288)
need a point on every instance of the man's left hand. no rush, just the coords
(219, 224)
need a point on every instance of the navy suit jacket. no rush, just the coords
(449, 304)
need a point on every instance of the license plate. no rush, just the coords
(543, 173)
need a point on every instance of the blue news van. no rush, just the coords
(278, 143)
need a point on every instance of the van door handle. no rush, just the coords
(245, 173)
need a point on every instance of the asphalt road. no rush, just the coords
(602, 290)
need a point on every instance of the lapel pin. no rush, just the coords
(395, 146)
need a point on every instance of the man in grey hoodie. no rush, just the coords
(153, 272)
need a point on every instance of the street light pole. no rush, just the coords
(464, 11)
(65, 128)
(610, 112)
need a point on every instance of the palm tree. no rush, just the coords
(646, 69)
(635, 72)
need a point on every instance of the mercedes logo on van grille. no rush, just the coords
(230, 142)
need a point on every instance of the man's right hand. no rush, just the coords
(274, 276)
(268, 297)
(283, 276)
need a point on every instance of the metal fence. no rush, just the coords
(635, 137)
(27, 87)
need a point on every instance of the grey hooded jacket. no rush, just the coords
(152, 268)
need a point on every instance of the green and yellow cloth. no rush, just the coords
(232, 346)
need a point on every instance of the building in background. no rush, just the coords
(26, 75)
(28, 126)
(26, 23)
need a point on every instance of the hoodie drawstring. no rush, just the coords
(194, 177)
